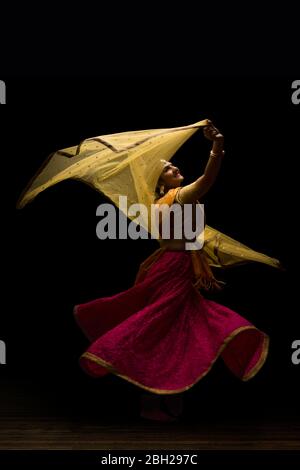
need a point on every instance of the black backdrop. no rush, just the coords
(53, 259)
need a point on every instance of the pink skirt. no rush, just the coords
(163, 336)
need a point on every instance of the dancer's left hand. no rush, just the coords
(212, 133)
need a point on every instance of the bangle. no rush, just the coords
(215, 155)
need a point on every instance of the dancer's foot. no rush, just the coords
(150, 408)
(173, 404)
(157, 415)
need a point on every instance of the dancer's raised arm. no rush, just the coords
(191, 192)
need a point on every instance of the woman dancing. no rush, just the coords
(162, 334)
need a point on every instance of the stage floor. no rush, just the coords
(32, 419)
(58, 433)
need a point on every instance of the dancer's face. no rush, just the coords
(170, 176)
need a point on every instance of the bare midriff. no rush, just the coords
(177, 244)
(174, 244)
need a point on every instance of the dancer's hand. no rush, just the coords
(212, 133)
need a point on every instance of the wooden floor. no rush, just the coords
(58, 433)
(29, 419)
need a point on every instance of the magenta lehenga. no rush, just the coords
(162, 334)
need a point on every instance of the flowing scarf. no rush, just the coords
(129, 164)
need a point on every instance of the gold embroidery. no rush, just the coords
(260, 362)
(255, 369)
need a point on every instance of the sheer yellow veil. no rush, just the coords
(129, 164)
(126, 163)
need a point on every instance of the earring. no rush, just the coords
(162, 190)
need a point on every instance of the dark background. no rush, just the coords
(53, 259)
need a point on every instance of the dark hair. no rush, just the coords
(157, 194)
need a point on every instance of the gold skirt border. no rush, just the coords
(249, 375)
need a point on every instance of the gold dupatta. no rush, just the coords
(125, 163)
(129, 164)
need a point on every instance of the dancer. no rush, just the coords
(161, 334)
